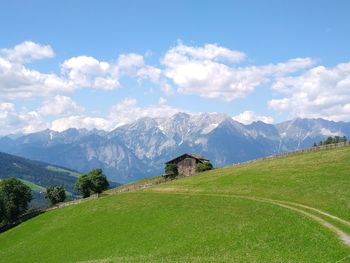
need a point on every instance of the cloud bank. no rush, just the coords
(298, 87)
(318, 93)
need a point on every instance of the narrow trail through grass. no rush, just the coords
(343, 236)
(343, 221)
(340, 220)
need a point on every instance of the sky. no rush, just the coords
(101, 64)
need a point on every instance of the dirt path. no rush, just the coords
(344, 237)
(341, 234)
(318, 211)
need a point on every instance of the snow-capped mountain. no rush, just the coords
(301, 133)
(139, 149)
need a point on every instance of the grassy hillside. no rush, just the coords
(62, 170)
(34, 187)
(37, 175)
(248, 213)
(319, 179)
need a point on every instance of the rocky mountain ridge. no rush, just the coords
(139, 149)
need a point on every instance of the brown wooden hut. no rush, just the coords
(187, 163)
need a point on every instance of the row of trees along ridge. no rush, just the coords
(331, 140)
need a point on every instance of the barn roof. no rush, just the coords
(193, 155)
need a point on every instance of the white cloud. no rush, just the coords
(149, 73)
(17, 81)
(134, 65)
(128, 111)
(327, 132)
(130, 62)
(319, 93)
(166, 88)
(203, 71)
(181, 52)
(210, 71)
(80, 122)
(13, 121)
(122, 113)
(84, 71)
(247, 117)
(60, 106)
(27, 52)
(162, 100)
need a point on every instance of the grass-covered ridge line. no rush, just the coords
(63, 170)
(146, 182)
(34, 187)
(226, 215)
(318, 179)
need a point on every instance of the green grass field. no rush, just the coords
(33, 186)
(258, 212)
(62, 170)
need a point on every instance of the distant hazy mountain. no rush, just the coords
(139, 149)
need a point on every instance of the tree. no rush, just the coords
(201, 167)
(331, 140)
(99, 181)
(93, 182)
(2, 210)
(14, 198)
(84, 185)
(171, 170)
(55, 194)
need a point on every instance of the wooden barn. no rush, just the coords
(187, 163)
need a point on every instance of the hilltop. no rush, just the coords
(286, 209)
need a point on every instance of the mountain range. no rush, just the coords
(139, 149)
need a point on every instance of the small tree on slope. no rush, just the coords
(93, 182)
(55, 194)
(14, 198)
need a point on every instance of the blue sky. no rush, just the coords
(99, 64)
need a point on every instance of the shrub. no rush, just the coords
(171, 171)
(55, 194)
(201, 167)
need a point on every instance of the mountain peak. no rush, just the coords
(140, 148)
(181, 116)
